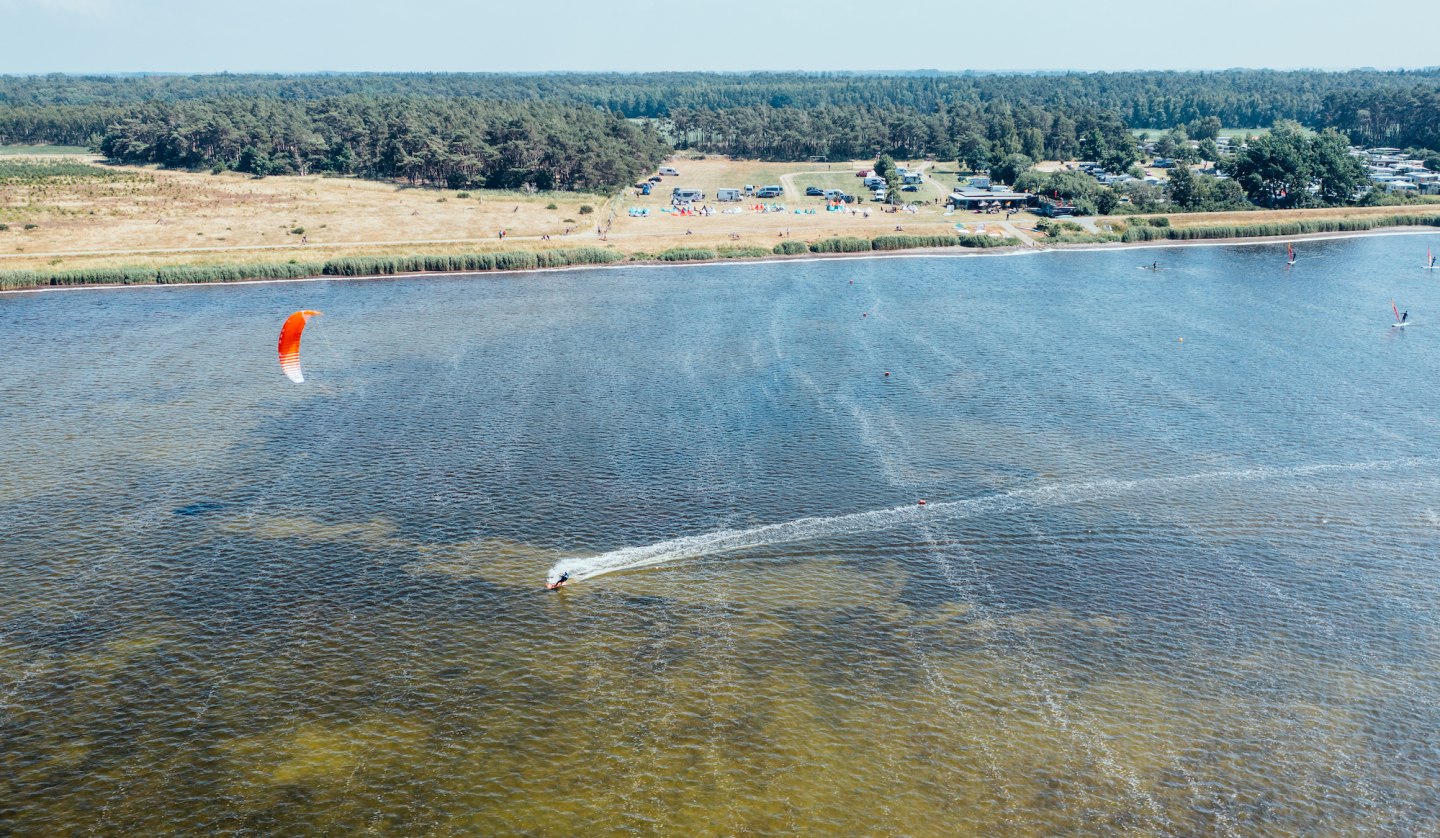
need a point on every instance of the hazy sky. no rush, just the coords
(75, 36)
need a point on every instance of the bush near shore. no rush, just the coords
(519, 260)
(687, 254)
(348, 266)
(1300, 227)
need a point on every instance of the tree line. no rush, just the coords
(456, 143)
(1240, 98)
(974, 134)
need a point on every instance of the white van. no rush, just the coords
(666, 170)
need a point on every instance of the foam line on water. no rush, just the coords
(720, 542)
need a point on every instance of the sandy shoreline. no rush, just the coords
(922, 252)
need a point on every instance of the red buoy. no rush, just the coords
(887, 373)
(922, 503)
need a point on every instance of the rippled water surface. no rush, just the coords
(1158, 586)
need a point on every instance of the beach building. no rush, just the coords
(970, 198)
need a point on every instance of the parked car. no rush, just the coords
(770, 192)
(666, 170)
(910, 187)
(656, 178)
(814, 190)
(863, 173)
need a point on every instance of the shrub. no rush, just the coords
(840, 245)
(4, 227)
(790, 247)
(1161, 221)
(297, 231)
(686, 254)
(163, 276)
(901, 242)
(31, 226)
(462, 195)
(740, 251)
(514, 260)
(586, 209)
(552, 206)
(1057, 227)
(988, 241)
(442, 199)
(1281, 228)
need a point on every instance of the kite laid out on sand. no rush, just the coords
(290, 344)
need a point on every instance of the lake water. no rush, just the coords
(1158, 586)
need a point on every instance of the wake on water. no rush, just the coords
(719, 542)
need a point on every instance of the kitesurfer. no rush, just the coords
(559, 581)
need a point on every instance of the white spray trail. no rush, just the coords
(719, 542)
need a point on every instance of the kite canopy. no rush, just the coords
(290, 344)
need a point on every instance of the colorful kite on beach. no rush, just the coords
(290, 344)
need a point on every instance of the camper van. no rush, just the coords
(727, 194)
(666, 170)
(685, 196)
(770, 192)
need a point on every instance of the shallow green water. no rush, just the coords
(1158, 587)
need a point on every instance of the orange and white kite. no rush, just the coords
(290, 344)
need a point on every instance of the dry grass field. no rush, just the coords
(144, 216)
